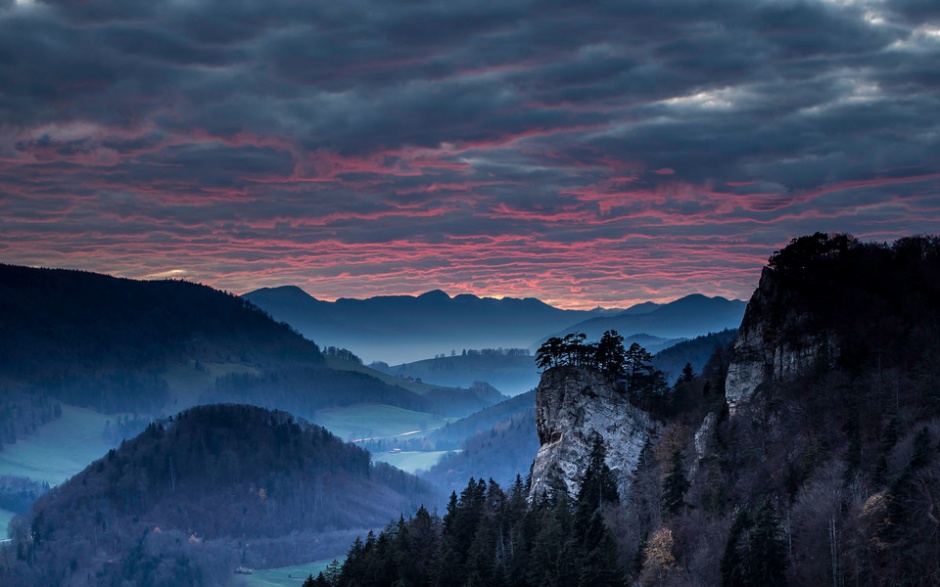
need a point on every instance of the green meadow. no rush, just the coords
(372, 421)
(59, 449)
(282, 577)
(5, 517)
(410, 461)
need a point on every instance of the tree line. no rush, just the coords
(492, 537)
(631, 369)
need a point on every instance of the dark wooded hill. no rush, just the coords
(196, 495)
(102, 342)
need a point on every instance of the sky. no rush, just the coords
(585, 153)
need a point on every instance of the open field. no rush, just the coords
(282, 577)
(412, 386)
(5, 517)
(59, 449)
(410, 461)
(368, 421)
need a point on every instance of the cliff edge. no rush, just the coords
(777, 342)
(573, 406)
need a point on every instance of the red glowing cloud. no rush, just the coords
(572, 156)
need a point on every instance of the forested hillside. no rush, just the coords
(103, 342)
(695, 352)
(490, 536)
(196, 495)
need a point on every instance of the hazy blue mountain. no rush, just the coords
(512, 371)
(499, 453)
(642, 308)
(688, 317)
(398, 329)
(695, 352)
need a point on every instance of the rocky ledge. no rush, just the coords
(573, 406)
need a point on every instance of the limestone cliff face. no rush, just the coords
(772, 343)
(573, 406)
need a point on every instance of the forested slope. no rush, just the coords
(195, 495)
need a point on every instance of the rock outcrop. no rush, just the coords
(575, 405)
(773, 343)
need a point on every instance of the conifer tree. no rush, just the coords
(766, 560)
(733, 572)
(610, 356)
(675, 486)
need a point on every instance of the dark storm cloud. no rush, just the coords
(581, 152)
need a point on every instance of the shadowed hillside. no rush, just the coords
(102, 342)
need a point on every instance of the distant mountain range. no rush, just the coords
(402, 329)
(398, 329)
(688, 317)
(510, 371)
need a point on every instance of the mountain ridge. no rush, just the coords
(403, 329)
(687, 317)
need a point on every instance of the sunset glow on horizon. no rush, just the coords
(584, 155)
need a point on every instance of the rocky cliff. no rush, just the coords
(774, 343)
(573, 406)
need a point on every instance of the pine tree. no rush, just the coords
(598, 486)
(610, 355)
(675, 486)
(733, 571)
(599, 566)
(766, 560)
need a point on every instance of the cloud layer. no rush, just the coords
(583, 153)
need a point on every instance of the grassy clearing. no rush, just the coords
(410, 461)
(58, 449)
(282, 577)
(376, 421)
(412, 386)
(5, 517)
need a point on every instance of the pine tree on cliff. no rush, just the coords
(598, 487)
(610, 356)
(599, 565)
(549, 354)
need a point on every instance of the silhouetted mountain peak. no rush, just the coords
(435, 295)
(285, 290)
